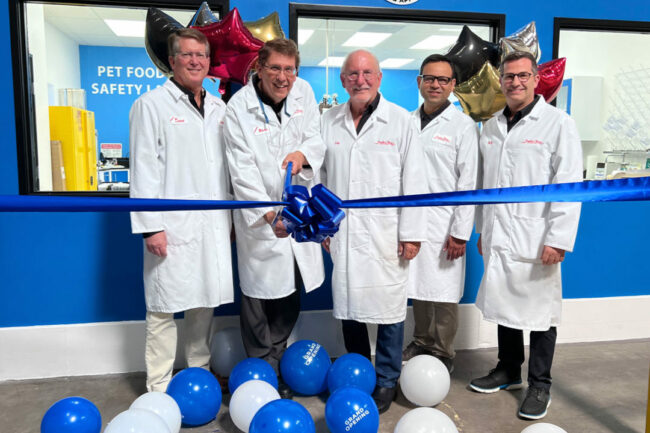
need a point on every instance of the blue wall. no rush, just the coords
(76, 268)
(114, 77)
(397, 85)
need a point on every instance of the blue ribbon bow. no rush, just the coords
(310, 219)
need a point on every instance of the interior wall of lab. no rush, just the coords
(65, 268)
(625, 68)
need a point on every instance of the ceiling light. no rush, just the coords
(434, 43)
(128, 28)
(304, 35)
(394, 63)
(366, 39)
(332, 61)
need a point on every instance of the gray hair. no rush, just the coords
(174, 40)
(518, 55)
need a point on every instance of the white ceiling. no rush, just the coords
(329, 36)
(85, 25)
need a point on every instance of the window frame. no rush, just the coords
(27, 157)
(497, 22)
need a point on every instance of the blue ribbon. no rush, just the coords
(633, 189)
(313, 218)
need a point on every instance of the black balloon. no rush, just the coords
(159, 26)
(470, 53)
(203, 16)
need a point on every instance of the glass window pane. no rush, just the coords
(88, 65)
(400, 47)
(608, 96)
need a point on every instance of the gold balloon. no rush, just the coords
(267, 28)
(481, 95)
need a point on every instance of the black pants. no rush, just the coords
(267, 323)
(542, 348)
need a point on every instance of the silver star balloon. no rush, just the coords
(524, 39)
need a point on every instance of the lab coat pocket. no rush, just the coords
(527, 238)
(383, 241)
(183, 227)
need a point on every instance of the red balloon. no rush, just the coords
(551, 75)
(233, 49)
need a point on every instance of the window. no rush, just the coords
(608, 94)
(399, 38)
(78, 68)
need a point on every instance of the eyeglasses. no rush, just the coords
(289, 71)
(429, 79)
(523, 77)
(187, 56)
(367, 75)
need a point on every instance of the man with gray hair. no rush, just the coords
(177, 152)
(372, 152)
(523, 244)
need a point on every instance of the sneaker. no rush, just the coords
(535, 403)
(413, 350)
(496, 380)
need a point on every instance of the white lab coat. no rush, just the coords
(450, 144)
(256, 145)
(177, 154)
(517, 290)
(369, 278)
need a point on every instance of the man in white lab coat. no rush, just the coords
(372, 151)
(523, 244)
(270, 122)
(177, 152)
(449, 139)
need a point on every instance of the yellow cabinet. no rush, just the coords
(75, 129)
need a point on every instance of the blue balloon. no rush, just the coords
(251, 369)
(352, 370)
(72, 415)
(198, 395)
(304, 367)
(350, 410)
(282, 416)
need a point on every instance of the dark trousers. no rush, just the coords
(542, 348)
(267, 323)
(388, 351)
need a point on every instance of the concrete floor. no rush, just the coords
(598, 387)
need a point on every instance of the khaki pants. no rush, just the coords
(160, 346)
(436, 324)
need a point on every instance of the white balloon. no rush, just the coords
(425, 380)
(542, 427)
(226, 350)
(163, 405)
(425, 420)
(247, 399)
(137, 421)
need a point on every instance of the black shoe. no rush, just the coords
(449, 363)
(535, 403)
(413, 350)
(284, 390)
(496, 380)
(384, 397)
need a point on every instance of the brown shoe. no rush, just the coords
(413, 350)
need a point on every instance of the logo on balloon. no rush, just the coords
(356, 417)
(311, 353)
